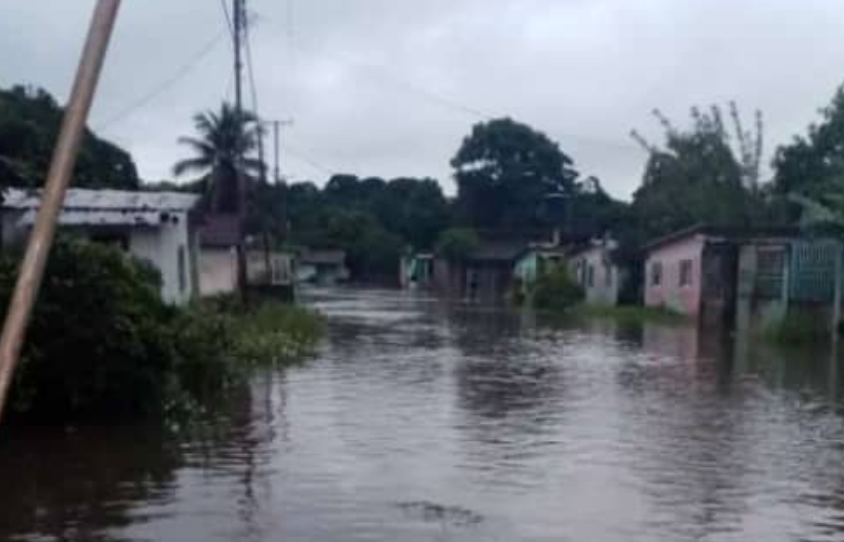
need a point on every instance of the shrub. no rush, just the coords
(556, 290)
(99, 340)
(102, 344)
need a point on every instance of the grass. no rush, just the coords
(630, 314)
(796, 330)
(276, 334)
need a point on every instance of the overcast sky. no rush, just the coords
(390, 87)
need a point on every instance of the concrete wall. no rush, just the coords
(164, 247)
(669, 294)
(607, 278)
(160, 246)
(217, 271)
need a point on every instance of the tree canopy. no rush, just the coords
(698, 176)
(30, 120)
(222, 154)
(374, 220)
(811, 161)
(504, 171)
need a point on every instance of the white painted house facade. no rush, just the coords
(154, 226)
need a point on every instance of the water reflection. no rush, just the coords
(81, 484)
(427, 421)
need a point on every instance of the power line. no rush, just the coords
(304, 158)
(385, 75)
(227, 17)
(177, 76)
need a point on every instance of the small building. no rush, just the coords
(323, 267)
(219, 240)
(693, 272)
(158, 227)
(484, 276)
(416, 271)
(537, 260)
(595, 270)
(271, 273)
(786, 273)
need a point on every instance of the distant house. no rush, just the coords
(786, 273)
(323, 267)
(270, 268)
(595, 271)
(158, 227)
(693, 272)
(536, 260)
(416, 271)
(219, 239)
(485, 275)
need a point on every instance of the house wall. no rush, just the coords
(281, 270)
(669, 293)
(217, 271)
(162, 247)
(159, 246)
(607, 278)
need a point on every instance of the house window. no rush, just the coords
(685, 273)
(590, 276)
(608, 275)
(183, 271)
(656, 273)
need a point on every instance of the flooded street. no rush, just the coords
(423, 422)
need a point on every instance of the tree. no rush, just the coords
(415, 209)
(221, 154)
(809, 163)
(504, 171)
(372, 252)
(697, 176)
(29, 124)
(457, 244)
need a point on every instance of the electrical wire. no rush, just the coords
(227, 17)
(166, 84)
(386, 76)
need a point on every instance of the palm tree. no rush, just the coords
(221, 154)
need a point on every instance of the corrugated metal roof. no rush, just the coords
(86, 200)
(73, 217)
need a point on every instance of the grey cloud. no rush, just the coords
(381, 87)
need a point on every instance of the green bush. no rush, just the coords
(275, 334)
(102, 344)
(99, 342)
(556, 290)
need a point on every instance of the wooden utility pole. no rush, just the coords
(31, 271)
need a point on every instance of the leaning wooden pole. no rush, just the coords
(65, 153)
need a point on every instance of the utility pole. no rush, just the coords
(239, 10)
(31, 271)
(277, 125)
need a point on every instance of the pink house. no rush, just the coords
(693, 272)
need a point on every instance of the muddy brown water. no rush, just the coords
(419, 421)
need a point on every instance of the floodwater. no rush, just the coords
(423, 422)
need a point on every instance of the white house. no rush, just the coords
(154, 226)
(597, 273)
